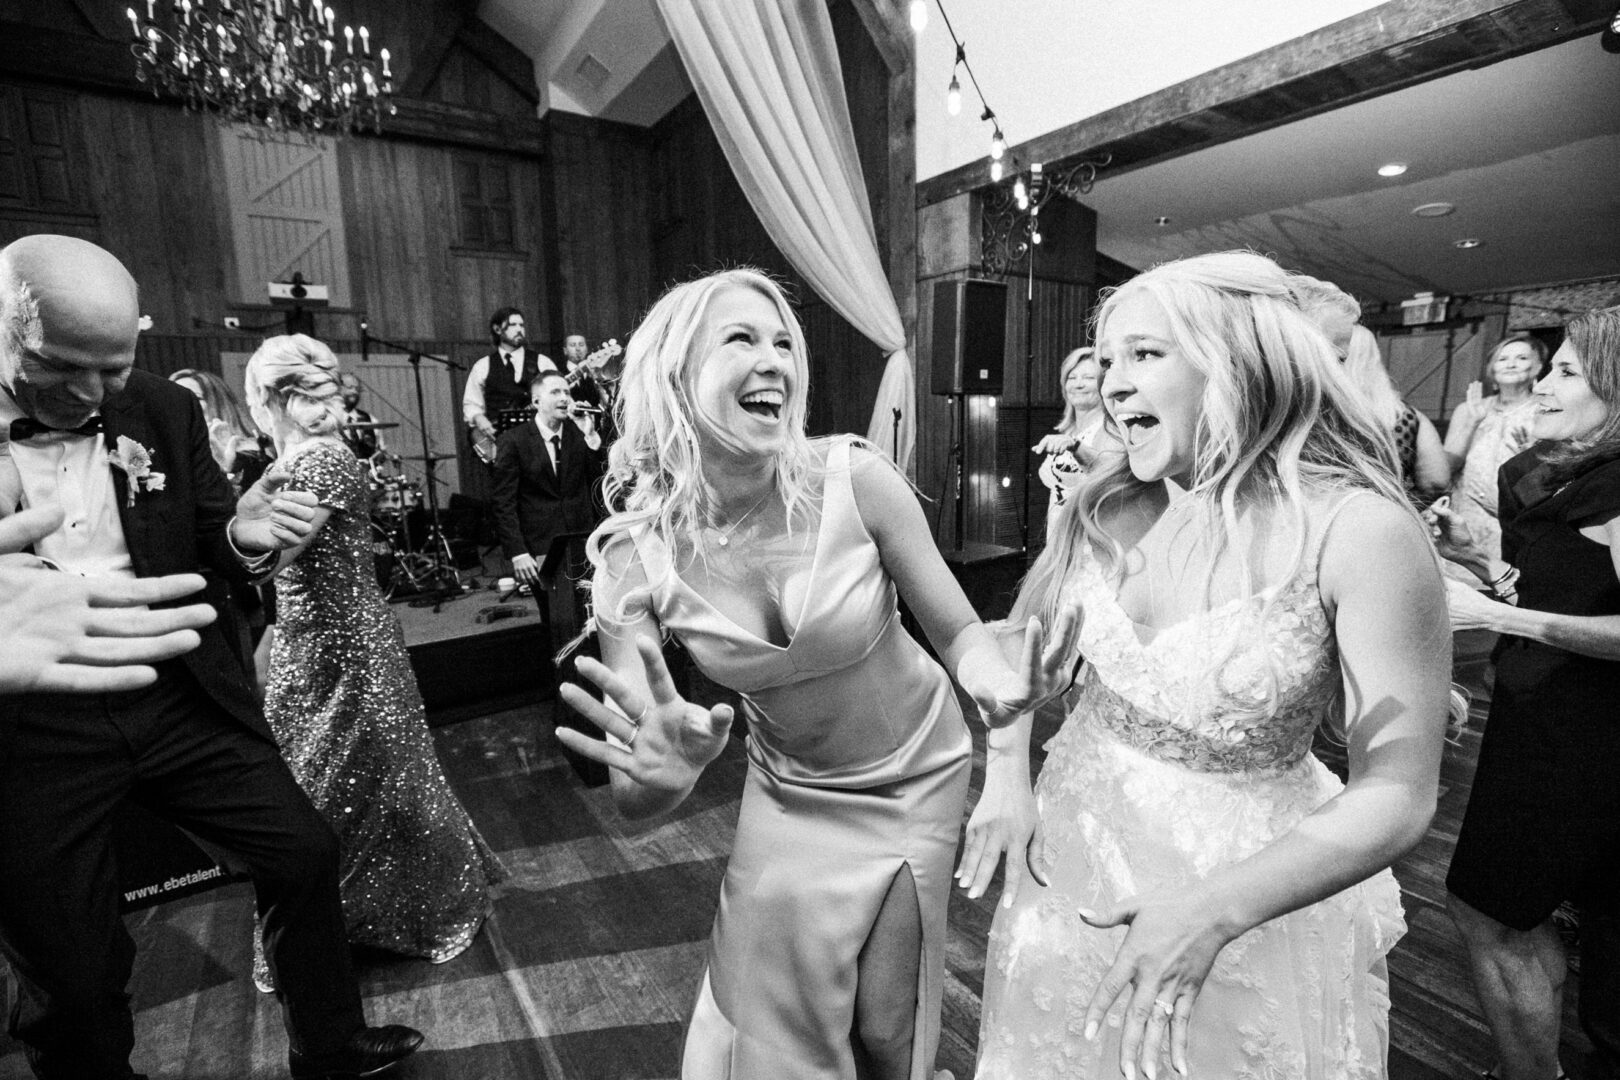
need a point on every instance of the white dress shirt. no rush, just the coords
(71, 471)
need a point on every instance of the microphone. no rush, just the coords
(365, 341)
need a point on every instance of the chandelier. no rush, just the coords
(271, 62)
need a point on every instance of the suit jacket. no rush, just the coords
(181, 529)
(532, 502)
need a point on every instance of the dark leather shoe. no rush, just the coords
(371, 1052)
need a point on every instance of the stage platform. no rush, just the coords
(481, 651)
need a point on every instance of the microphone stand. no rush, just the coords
(440, 560)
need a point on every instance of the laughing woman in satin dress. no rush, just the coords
(775, 560)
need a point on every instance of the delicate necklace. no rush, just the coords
(725, 534)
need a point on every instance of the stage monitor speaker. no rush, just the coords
(970, 336)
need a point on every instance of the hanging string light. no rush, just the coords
(953, 93)
(919, 15)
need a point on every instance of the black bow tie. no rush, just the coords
(26, 427)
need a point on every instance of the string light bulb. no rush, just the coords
(1021, 194)
(998, 145)
(919, 15)
(995, 171)
(953, 96)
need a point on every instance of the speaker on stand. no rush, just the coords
(969, 344)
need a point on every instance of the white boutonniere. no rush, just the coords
(136, 462)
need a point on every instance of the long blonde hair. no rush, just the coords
(296, 375)
(1364, 364)
(655, 469)
(1278, 416)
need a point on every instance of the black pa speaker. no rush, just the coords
(970, 336)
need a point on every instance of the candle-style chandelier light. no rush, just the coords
(278, 63)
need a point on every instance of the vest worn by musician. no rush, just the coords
(502, 390)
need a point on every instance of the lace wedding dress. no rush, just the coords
(1175, 762)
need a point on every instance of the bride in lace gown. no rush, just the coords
(1215, 900)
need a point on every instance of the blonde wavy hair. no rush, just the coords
(1364, 364)
(296, 375)
(1278, 419)
(655, 469)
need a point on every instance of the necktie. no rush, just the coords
(556, 453)
(26, 427)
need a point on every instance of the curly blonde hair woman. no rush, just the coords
(776, 561)
(1248, 571)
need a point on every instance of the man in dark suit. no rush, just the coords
(125, 455)
(545, 474)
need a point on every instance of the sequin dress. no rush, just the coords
(1169, 767)
(344, 705)
(858, 764)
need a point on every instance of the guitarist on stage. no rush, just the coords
(497, 394)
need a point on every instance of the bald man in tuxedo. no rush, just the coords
(125, 455)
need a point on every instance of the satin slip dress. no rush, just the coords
(858, 762)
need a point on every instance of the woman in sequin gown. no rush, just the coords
(1218, 902)
(776, 562)
(342, 699)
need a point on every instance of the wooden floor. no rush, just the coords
(590, 962)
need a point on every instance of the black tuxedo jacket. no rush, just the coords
(181, 529)
(532, 502)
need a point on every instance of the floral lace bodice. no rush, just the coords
(1180, 757)
(1200, 693)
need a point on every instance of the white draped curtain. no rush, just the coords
(768, 75)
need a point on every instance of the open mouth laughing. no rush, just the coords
(1138, 426)
(765, 404)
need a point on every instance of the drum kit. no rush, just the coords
(405, 544)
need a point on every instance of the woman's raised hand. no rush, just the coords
(665, 740)
(1044, 670)
(1161, 965)
(1053, 443)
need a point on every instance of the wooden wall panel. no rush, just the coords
(409, 277)
(599, 182)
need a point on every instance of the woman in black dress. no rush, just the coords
(1543, 822)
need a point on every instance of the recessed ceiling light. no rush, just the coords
(1161, 222)
(1433, 209)
(1394, 168)
(1470, 242)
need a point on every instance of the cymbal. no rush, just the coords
(368, 425)
(429, 457)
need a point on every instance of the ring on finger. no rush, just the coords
(1164, 1006)
(640, 716)
(631, 741)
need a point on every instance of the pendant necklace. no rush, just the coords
(724, 537)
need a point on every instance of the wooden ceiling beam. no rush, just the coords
(1389, 47)
(447, 20)
(507, 61)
